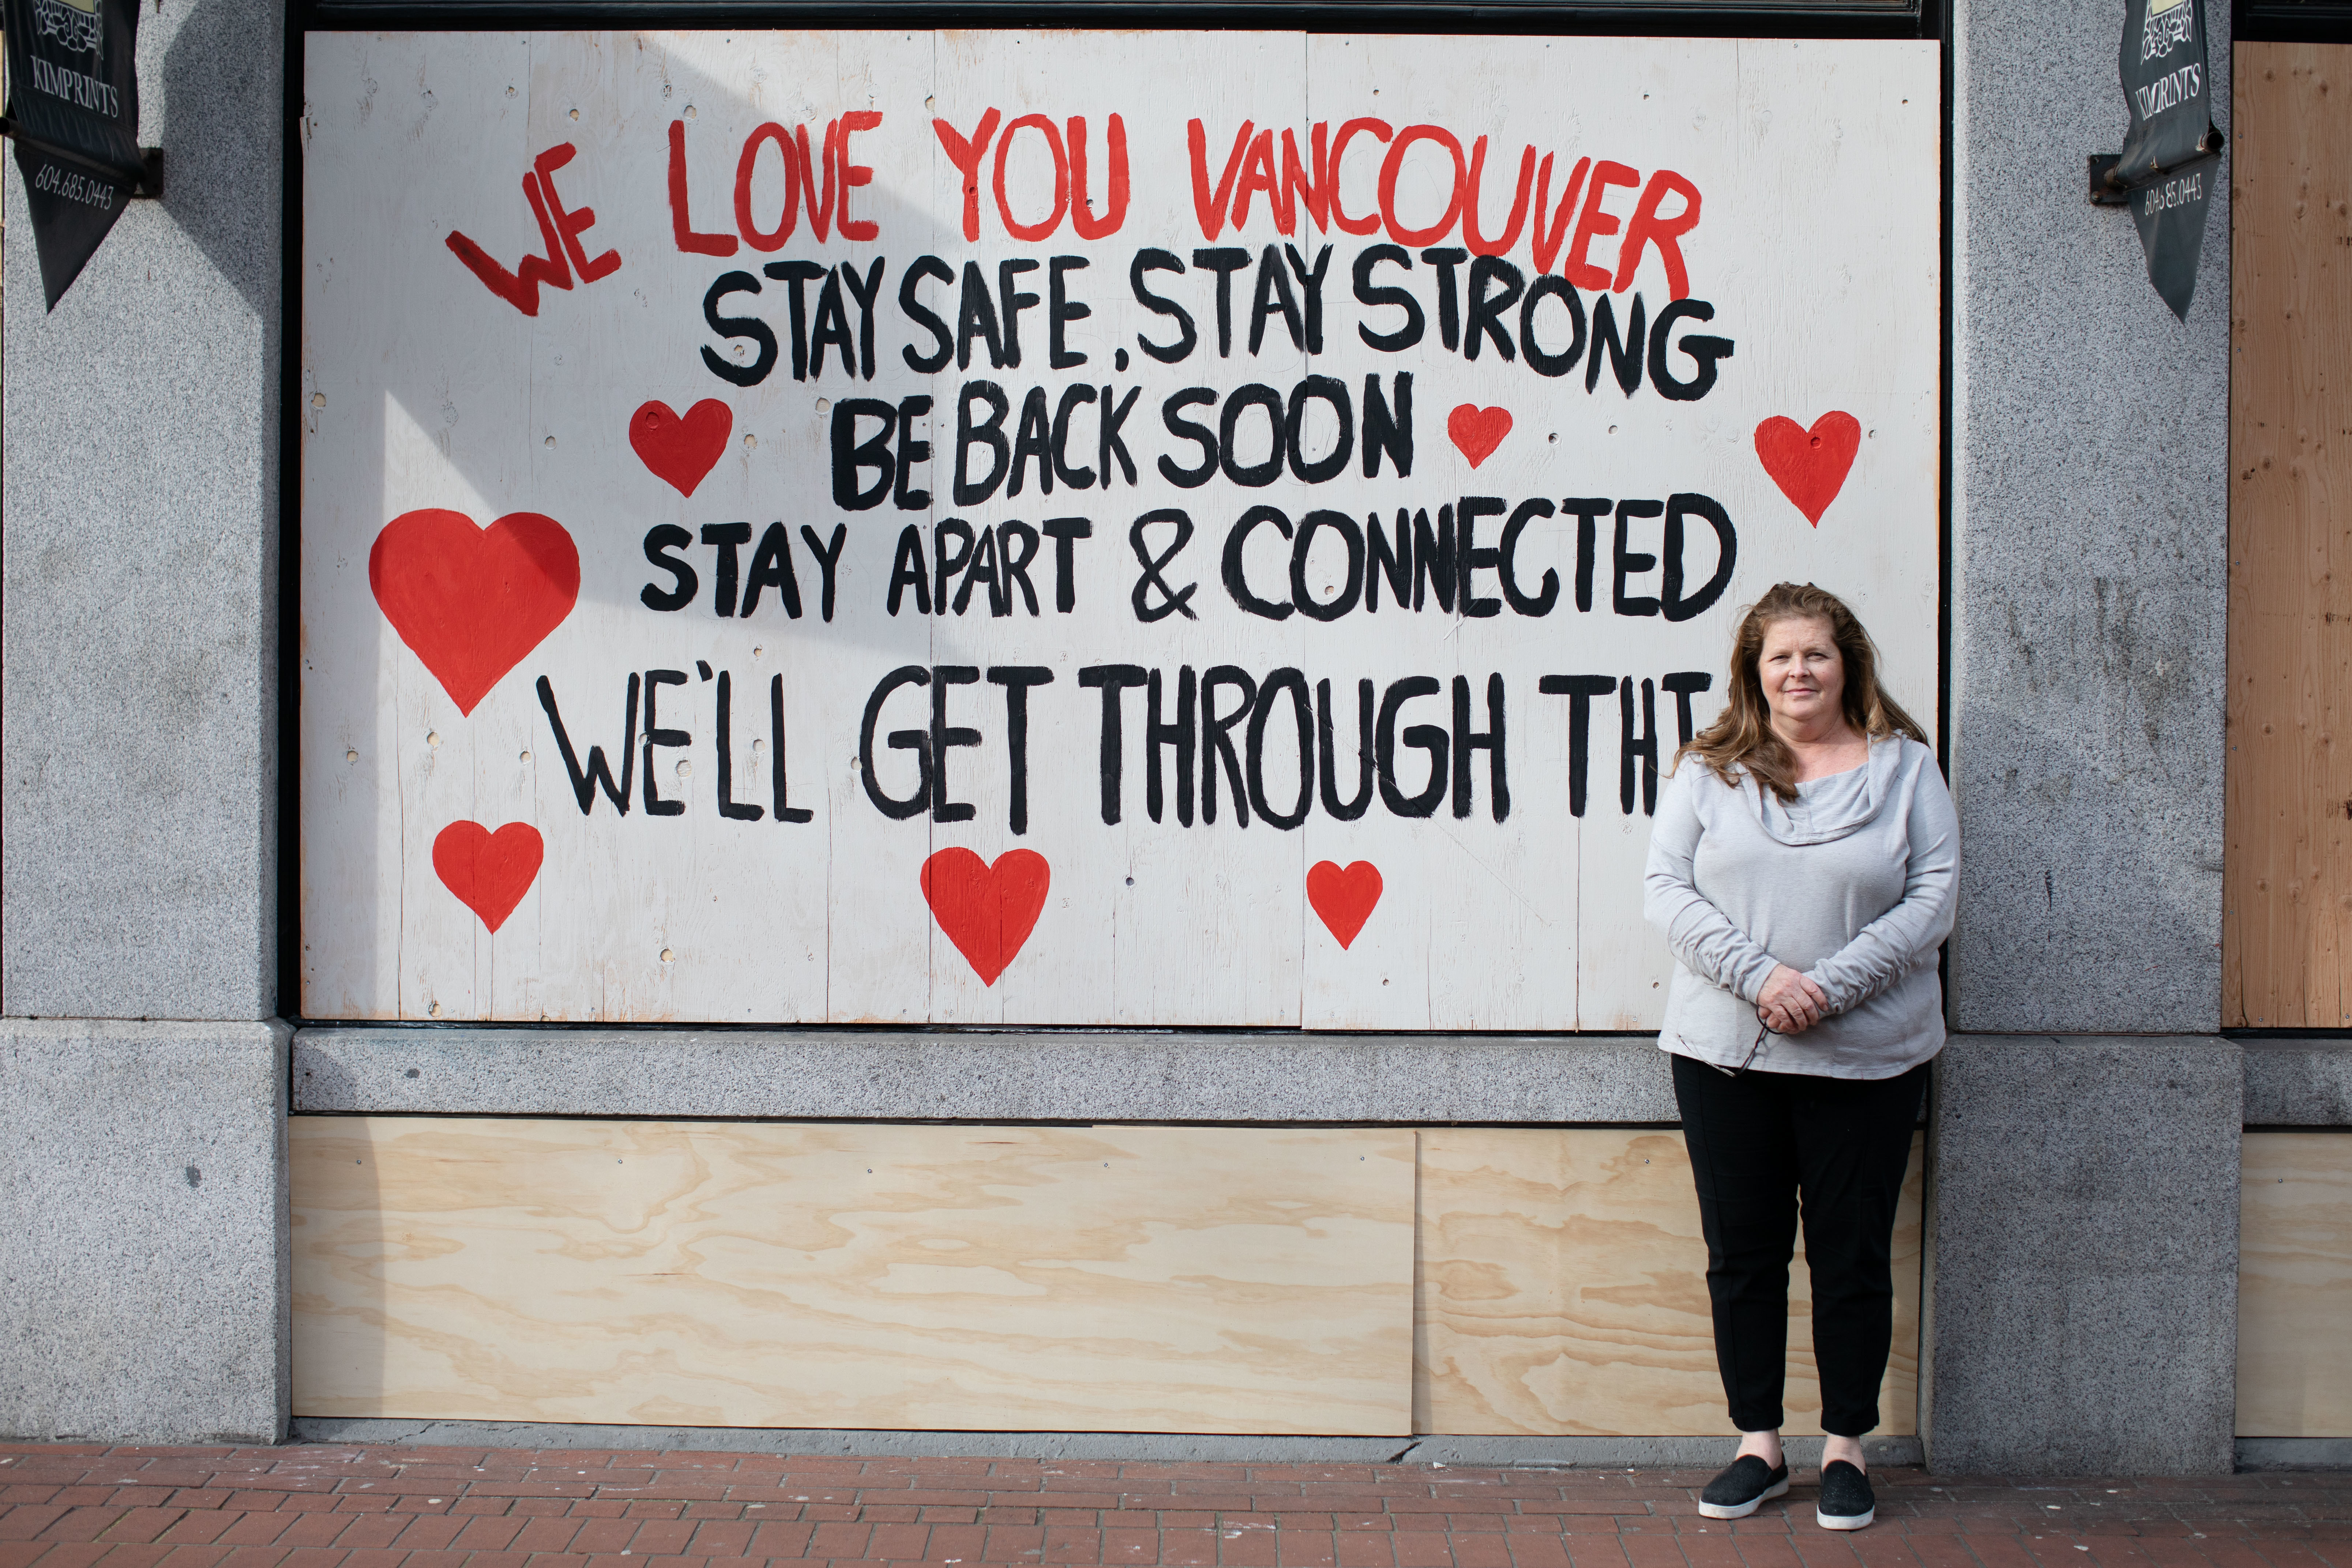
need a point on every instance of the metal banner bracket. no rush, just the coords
(2108, 191)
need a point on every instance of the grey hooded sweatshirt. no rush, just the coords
(1851, 885)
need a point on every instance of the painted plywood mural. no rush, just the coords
(1071, 528)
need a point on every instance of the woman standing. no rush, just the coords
(1803, 868)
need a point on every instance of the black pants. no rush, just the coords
(1756, 1142)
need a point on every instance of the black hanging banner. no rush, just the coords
(73, 109)
(2171, 213)
(2170, 157)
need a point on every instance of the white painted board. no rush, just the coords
(492, 465)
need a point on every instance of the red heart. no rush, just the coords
(490, 872)
(472, 602)
(988, 911)
(682, 451)
(1478, 431)
(1810, 466)
(1344, 899)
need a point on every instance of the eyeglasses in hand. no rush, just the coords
(1763, 1030)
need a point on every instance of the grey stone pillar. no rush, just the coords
(2090, 522)
(142, 1191)
(2083, 1247)
(2082, 1312)
(144, 1271)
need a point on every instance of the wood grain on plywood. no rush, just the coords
(1131, 1279)
(1562, 1288)
(2287, 870)
(2295, 1286)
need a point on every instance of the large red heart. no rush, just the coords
(1343, 899)
(682, 451)
(1478, 431)
(472, 602)
(490, 872)
(988, 911)
(1810, 466)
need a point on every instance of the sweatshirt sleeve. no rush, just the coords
(1903, 938)
(1701, 935)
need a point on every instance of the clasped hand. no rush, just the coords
(1789, 1003)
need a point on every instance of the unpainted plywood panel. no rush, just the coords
(2287, 867)
(1561, 1289)
(2295, 1286)
(1130, 1279)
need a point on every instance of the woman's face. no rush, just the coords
(1803, 675)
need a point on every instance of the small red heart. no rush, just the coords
(473, 602)
(988, 911)
(682, 451)
(1478, 431)
(490, 872)
(1344, 899)
(1810, 466)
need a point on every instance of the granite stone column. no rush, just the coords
(2083, 1144)
(141, 1180)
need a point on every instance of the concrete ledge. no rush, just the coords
(1017, 1077)
(142, 1194)
(1563, 1453)
(2294, 1452)
(526, 1070)
(2298, 1083)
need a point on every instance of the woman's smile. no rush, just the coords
(1803, 677)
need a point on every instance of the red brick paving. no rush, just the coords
(324, 1507)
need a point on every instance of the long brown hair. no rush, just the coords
(1744, 737)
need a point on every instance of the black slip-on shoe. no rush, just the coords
(1846, 1500)
(1736, 1494)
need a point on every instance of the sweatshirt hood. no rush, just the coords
(1834, 812)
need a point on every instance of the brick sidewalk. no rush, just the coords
(321, 1507)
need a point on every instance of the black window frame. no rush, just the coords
(2291, 22)
(1918, 19)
